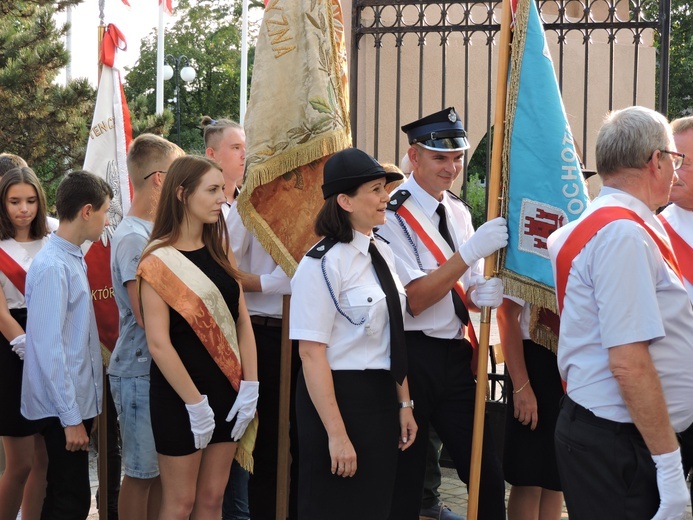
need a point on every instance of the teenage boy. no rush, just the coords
(148, 161)
(62, 368)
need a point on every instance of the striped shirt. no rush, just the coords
(62, 367)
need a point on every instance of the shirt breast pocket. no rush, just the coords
(428, 261)
(366, 304)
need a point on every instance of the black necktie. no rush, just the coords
(398, 348)
(458, 304)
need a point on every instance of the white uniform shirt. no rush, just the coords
(23, 253)
(414, 259)
(621, 291)
(358, 339)
(682, 222)
(252, 258)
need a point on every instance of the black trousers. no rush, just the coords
(68, 492)
(262, 488)
(443, 387)
(605, 468)
(367, 401)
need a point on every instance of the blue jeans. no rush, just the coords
(235, 506)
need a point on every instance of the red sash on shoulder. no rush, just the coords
(15, 273)
(586, 230)
(435, 249)
(682, 250)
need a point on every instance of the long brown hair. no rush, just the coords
(22, 175)
(186, 172)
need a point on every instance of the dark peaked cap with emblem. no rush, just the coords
(348, 169)
(441, 131)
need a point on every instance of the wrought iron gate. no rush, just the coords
(413, 57)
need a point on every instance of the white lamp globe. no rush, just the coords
(187, 74)
(168, 72)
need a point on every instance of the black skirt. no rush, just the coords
(529, 457)
(367, 400)
(12, 422)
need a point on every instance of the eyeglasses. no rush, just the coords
(150, 174)
(678, 158)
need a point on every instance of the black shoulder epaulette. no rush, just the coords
(322, 247)
(459, 199)
(397, 199)
(379, 237)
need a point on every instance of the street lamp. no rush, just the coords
(187, 74)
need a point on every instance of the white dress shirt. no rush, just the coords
(620, 291)
(23, 253)
(414, 259)
(682, 222)
(252, 258)
(337, 300)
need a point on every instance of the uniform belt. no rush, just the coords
(575, 411)
(266, 321)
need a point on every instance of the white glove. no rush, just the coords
(201, 422)
(245, 406)
(671, 482)
(487, 293)
(490, 237)
(19, 345)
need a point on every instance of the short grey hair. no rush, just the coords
(682, 124)
(629, 137)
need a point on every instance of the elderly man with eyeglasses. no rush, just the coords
(625, 348)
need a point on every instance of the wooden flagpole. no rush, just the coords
(493, 211)
(284, 407)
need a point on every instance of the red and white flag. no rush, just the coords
(168, 5)
(109, 139)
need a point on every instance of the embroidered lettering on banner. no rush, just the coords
(573, 182)
(278, 29)
(101, 128)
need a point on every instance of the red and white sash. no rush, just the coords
(436, 244)
(15, 273)
(587, 229)
(682, 250)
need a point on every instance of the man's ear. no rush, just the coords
(87, 211)
(209, 152)
(413, 155)
(344, 202)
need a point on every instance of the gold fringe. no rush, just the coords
(263, 173)
(244, 451)
(541, 334)
(105, 355)
(268, 171)
(529, 290)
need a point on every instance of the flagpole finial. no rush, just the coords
(102, 14)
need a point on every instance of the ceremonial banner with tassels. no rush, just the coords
(297, 116)
(543, 184)
(109, 140)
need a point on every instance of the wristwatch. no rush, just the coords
(407, 404)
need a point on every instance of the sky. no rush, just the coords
(134, 22)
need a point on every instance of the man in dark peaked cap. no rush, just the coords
(440, 263)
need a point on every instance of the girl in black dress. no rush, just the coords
(204, 385)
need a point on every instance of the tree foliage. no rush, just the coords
(208, 34)
(681, 60)
(45, 123)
